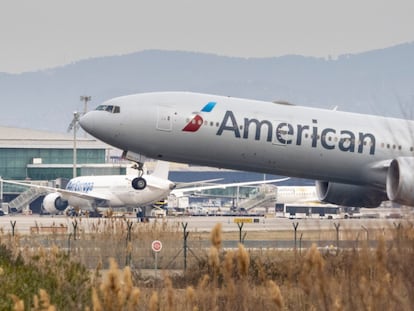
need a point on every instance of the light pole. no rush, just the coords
(85, 99)
(74, 126)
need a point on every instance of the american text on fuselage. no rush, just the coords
(284, 133)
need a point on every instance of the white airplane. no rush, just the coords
(112, 191)
(296, 194)
(357, 160)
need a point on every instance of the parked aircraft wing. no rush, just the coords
(180, 192)
(66, 193)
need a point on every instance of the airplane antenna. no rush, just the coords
(283, 102)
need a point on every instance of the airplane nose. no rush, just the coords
(87, 123)
(99, 125)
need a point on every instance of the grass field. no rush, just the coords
(35, 274)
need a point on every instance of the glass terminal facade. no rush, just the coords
(44, 163)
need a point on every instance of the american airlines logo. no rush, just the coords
(197, 121)
(284, 133)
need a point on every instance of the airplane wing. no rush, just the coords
(180, 192)
(65, 193)
(198, 182)
(92, 196)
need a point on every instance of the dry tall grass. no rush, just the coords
(360, 278)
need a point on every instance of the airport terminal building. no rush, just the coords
(27, 154)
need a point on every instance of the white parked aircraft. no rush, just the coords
(296, 194)
(357, 160)
(113, 191)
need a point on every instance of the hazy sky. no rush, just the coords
(39, 34)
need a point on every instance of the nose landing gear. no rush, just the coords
(138, 183)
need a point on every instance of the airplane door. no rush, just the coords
(284, 133)
(164, 119)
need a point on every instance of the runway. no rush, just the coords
(25, 224)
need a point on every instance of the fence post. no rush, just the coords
(185, 244)
(128, 243)
(366, 230)
(13, 224)
(70, 235)
(75, 226)
(241, 238)
(295, 227)
(337, 225)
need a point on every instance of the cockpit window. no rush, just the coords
(109, 108)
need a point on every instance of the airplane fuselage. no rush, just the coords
(256, 136)
(116, 190)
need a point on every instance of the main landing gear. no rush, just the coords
(139, 183)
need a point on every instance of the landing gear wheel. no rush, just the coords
(139, 183)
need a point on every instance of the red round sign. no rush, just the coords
(156, 246)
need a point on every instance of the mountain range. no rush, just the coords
(377, 82)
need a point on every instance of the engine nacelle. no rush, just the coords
(400, 181)
(53, 203)
(349, 195)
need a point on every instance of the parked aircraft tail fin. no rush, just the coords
(161, 169)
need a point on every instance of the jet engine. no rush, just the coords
(53, 203)
(400, 181)
(349, 195)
